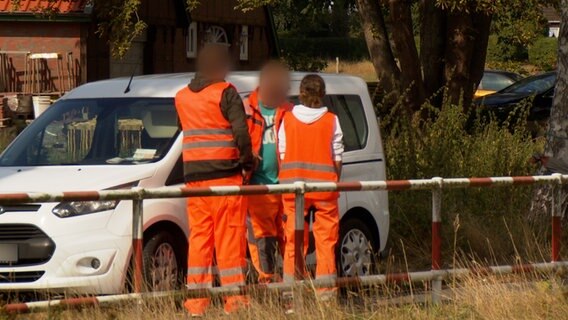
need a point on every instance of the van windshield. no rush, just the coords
(97, 132)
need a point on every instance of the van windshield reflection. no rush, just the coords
(97, 132)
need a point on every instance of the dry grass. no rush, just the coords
(363, 69)
(473, 298)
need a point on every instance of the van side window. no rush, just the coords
(349, 109)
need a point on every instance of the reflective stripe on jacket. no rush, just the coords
(309, 155)
(256, 123)
(207, 135)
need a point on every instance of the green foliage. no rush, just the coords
(315, 18)
(544, 53)
(120, 23)
(352, 49)
(512, 66)
(542, 56)
(517, 28)
(441, 146)
(303, 62)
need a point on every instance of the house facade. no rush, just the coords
(56, 52)
(553, 18)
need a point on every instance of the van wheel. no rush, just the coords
(163, 258)
(355, 249)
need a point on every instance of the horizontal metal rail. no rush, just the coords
(435, 275)
(184, 192)
(366, 281)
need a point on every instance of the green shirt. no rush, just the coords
(267, 171)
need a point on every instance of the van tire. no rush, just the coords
(163, 262)
(355, 249)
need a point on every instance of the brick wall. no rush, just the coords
(40, 37)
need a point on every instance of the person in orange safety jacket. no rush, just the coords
(311, 146)
(265, 108)
(216, 151)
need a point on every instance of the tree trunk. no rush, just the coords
(557, 143)
(557, 138)
(481, 23)
(459, 52)
(377, 39)
(411, 83)
(432, 47)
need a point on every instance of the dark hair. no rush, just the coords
(312, 91)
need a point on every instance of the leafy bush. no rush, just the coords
(544, 53)
(441, 146)
(353, 49)
(303, 62)
(499, 49)
(521, 68)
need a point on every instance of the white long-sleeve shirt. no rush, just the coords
(309, 115)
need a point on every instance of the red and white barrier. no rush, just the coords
(421, 276)
(437, 185)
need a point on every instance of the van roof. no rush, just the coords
(167, 85)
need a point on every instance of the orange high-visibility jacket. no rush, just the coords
(207, 135)
(309, 155)
(256, 123)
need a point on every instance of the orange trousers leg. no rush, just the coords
(265, 234)
(217, 224)
(326, 235)
(289, 247)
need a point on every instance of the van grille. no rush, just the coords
(34, 246)
(20, 277)
(18, 232)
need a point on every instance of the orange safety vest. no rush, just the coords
(207, 135)
(256, 123)
(309, 155)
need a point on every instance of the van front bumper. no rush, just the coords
(80, 264)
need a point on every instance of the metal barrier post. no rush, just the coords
(299, 230)
(299, 269)
(137, 243)
(436, 282)
(556, 219)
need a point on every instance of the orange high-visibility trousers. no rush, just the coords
(326, 234)
(217, 225)
(265, 234)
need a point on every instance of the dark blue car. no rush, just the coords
(539, 89)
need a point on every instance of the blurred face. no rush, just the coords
(214, 62)
(220, 72)
(273, 87)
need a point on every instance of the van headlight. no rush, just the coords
(77, 208)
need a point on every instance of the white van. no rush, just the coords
(103, 136)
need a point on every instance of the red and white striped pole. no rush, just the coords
(299, 269)
(137, 243)
(436, 239)
(299, 230)
(556, 219)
